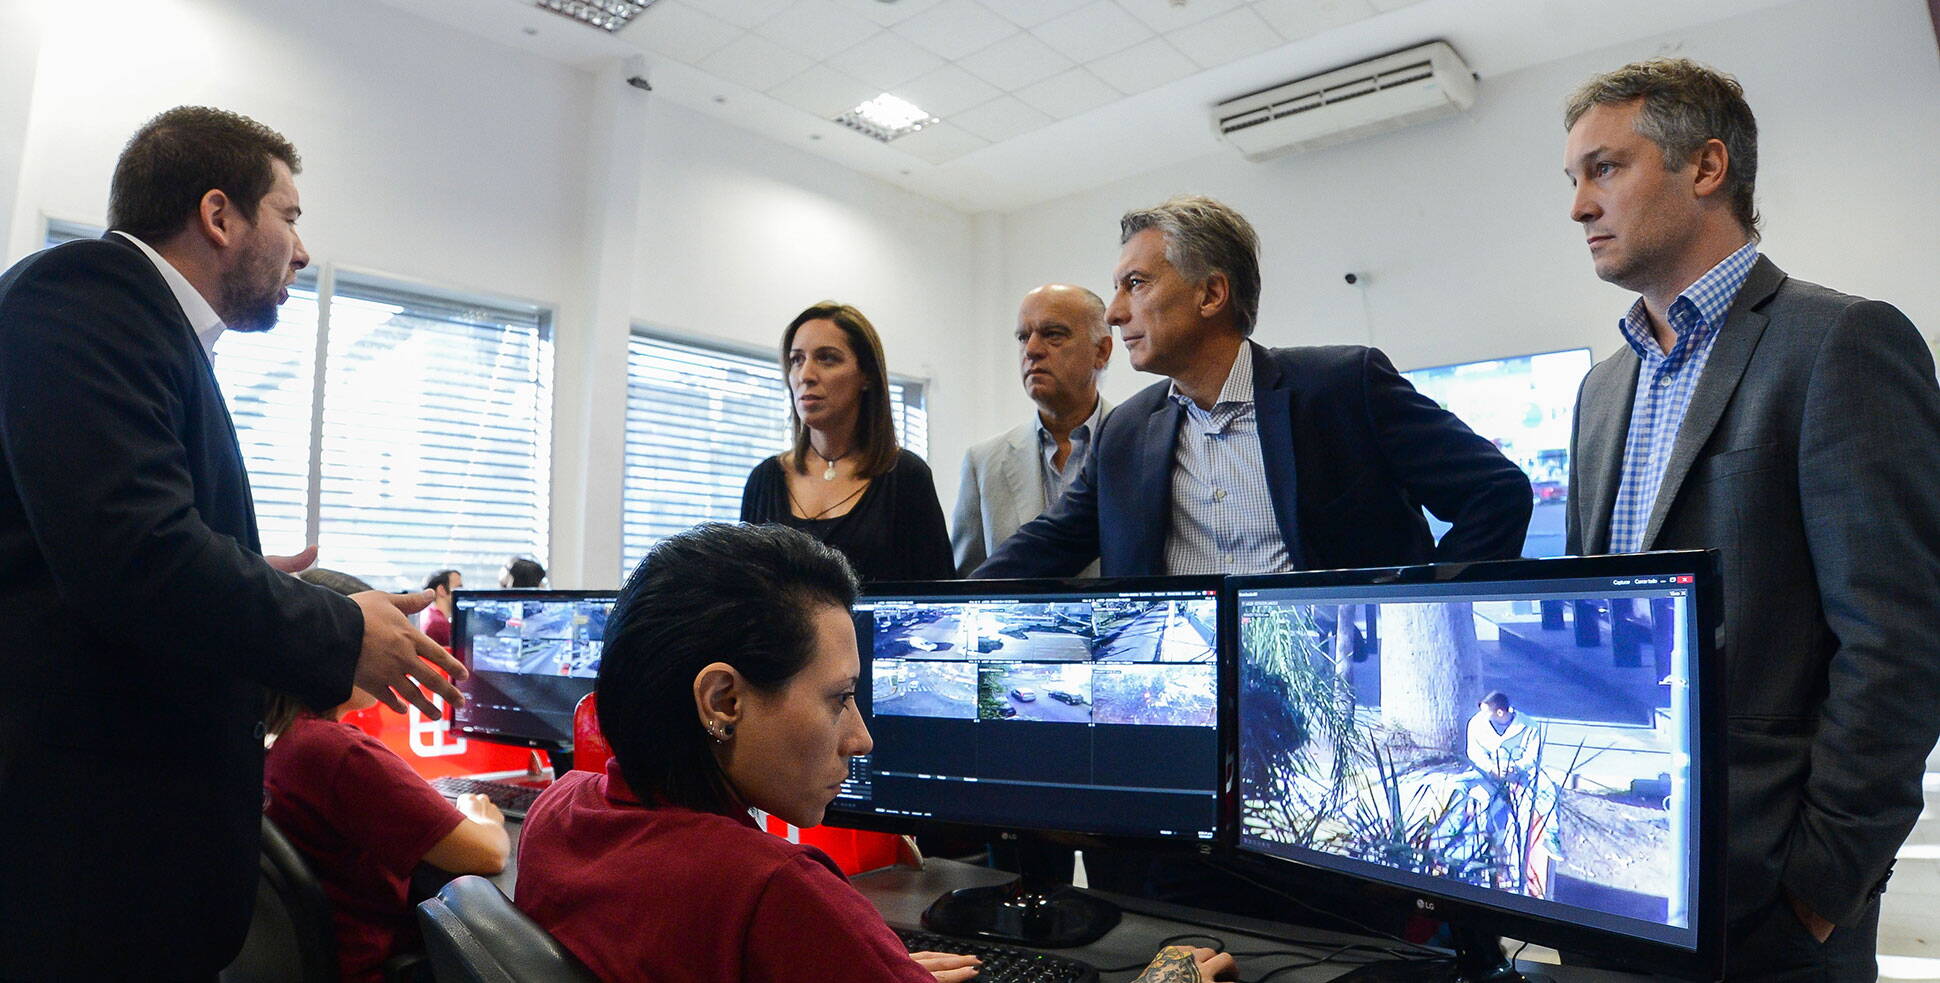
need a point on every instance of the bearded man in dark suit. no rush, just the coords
(131, 732)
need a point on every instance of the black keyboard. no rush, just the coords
(1004, 963)
(513, 800)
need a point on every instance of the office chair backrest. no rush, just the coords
(474, 935)
(291, 939)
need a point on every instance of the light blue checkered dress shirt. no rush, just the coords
(1222, 514)
(1665, 383)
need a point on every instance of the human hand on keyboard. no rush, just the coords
(479, 808)
(947, 968)
(1188, 964)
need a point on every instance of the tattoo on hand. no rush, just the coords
(1173, 965)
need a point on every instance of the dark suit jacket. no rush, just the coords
(142, 626)
(1352, 453)
(1810, 456)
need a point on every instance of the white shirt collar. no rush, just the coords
(202, 317)
(1239, 381)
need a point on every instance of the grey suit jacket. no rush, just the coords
(1810, 456)
(1002, 489)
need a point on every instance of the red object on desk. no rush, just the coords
(430, 747)
(590, 750)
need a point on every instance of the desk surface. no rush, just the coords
(901, 894)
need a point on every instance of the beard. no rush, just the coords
(251, 293)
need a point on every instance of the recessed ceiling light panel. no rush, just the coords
(607, 15)
(887, 117)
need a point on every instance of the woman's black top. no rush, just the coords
(895, 532)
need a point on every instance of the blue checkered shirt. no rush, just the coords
(1665, 383)
(1222, 513)
(1053, 479)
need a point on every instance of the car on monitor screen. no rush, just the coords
(1024, 694)
(1063, 697)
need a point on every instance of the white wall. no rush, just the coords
(1460, 229)
(436, 156)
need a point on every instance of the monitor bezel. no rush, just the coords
(840, 816)
(1706, 959)
(1587, 350)
(461, 650)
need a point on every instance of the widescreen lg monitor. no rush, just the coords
(532, 655)
(1081, 707)
(1528, 748)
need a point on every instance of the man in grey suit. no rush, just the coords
(1797, 430)
(1063, 345)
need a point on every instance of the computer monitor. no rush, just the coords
(1531, 748)
(1084, 707)
(1524, 404)
(532, 654)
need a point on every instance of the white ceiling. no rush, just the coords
(1039, 98)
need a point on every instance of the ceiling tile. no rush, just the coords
(885, 60)
(939, 144)
(1015, 62)
(755, 62)
(955, 28)
(1296, 19)
(1000, 119)
(1030, 13)
(1142, 67)
(888, 13)
(1093, 31)
(1067, 95)
(1164, 15)
(816, 28)
(824, 91)
(679, 31)
(1383, 6)
(946, 91)
(1226, 38)
(746, 13)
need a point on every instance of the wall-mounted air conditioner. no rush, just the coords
(1362, 99)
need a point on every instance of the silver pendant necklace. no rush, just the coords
(828, 473)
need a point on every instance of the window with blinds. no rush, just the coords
(435, 448)
(437, 434)
(698, 419)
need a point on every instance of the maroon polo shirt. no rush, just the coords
(678, 896)
(364, 820)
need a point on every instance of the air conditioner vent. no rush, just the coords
(1347, 103)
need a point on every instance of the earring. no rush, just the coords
(720, 731)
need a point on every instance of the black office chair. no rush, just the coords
(474, 935)
(290, 937)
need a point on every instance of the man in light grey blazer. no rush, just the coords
(1797, 430)
(1063, 345)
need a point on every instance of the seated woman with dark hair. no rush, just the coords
(728, 683)
(365, 820)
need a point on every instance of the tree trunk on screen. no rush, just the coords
(1431, 672)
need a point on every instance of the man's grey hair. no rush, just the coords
(1203, 237)
(1685, 105)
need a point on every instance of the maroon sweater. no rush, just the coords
(674, 895)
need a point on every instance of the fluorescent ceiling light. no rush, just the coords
(607, 15)
(887, 117)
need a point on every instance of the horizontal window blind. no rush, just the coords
(698, 419)
(437, 435)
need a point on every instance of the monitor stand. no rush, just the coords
(1035, 909)
(1478, 958)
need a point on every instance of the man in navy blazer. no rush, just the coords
(1258, 460)
(143, 622)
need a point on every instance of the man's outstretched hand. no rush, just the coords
(395, 660)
